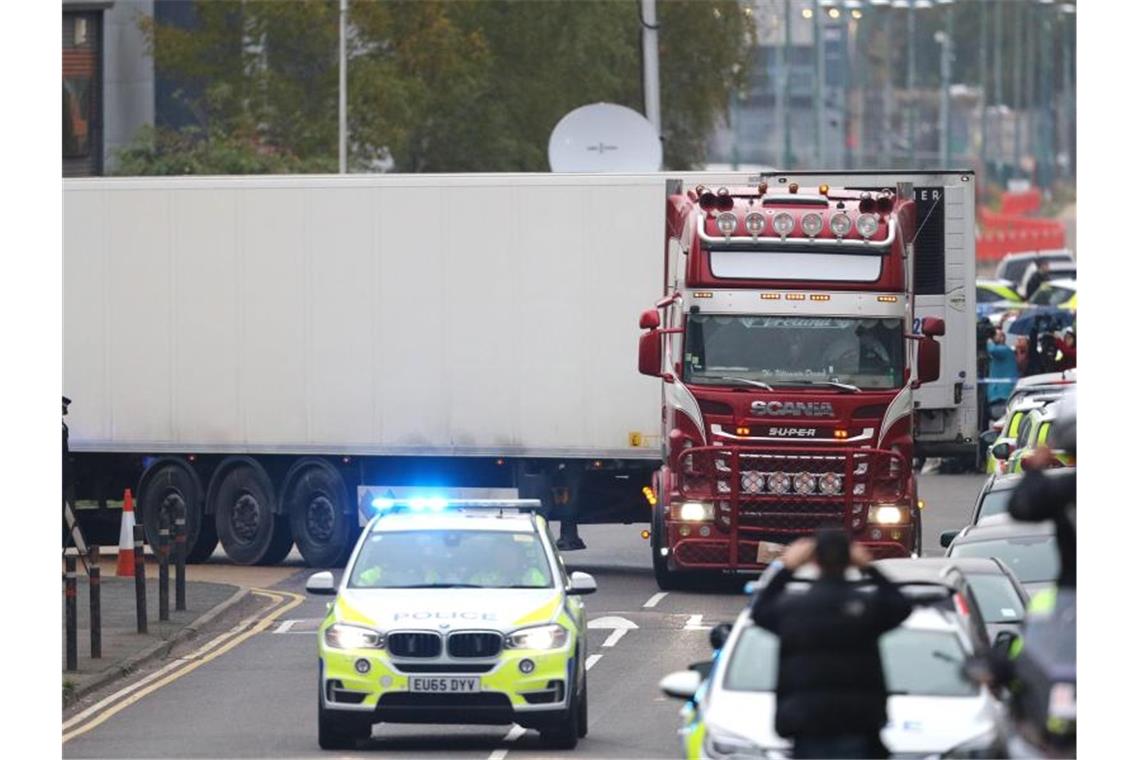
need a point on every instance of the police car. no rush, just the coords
(453, 612)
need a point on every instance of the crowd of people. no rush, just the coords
(1041, 351)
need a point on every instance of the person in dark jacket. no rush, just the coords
(831, 699)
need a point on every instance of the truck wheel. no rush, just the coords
(203, 548)
(563, 732)
(168, 489)
(667, 580)
(243, 512)
(315, 501)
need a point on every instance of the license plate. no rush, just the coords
(768, 552)
(444, 684)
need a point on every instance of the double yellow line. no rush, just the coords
(79, 724)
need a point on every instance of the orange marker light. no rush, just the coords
(794, 187)
(820, 297)
(770, 296)
(795, 296)
(823, 189)
(645, 534)
(840, 433)
(742, 431)
(702, 294)
(888, 299)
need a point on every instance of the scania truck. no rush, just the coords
(813, 336)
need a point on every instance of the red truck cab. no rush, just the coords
(788, 354)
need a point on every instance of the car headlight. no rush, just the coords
(722, 744)
(347, 636)
(694, 511)
(982, 745)
(551, 636)
(887, 514)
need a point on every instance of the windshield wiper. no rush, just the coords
(744, 380)
(833, 383)
(439, 585)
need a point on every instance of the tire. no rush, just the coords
(564, 731)
(667, 580)
(203, 548)
(338, 731)
(316, 501)
(248, 529)
(583, 710)
(167, 489)
(918, 532)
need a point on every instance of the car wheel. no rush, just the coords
(564, 731)
(338, 731)
(583, 711)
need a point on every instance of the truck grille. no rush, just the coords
(415, 644)
(474, 644)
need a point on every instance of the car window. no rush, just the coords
(1014, 425)
(1033, 559)
(1043, 433)
(914, 662)
(1023, 433)
(467, 558)
(995, 503)
(997, 597)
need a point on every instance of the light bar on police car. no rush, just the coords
(441, 504)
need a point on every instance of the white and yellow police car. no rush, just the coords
(454, 611)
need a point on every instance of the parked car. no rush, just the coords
(995, 297)
(1059, 292)
(1038, 432)
(1013, 266)
(993, 499)
(1014, 431)
(932, 707)
(1000, 597)
(1029, 549)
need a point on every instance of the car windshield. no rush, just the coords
(995, 503)
(1051, 296)
(997, 597)
(791, 351)
(451, 558)
(1033, 559)
(927, 663)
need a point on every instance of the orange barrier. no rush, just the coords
(1010, 230)
(1021, 203)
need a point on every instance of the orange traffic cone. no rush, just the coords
(126, 567)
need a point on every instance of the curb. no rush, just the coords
(158, 650)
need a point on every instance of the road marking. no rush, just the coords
(591, 660)
(694, 624)
(614, 637)
(109, 706)
(653, 600)
(512, 735)
(284, 627)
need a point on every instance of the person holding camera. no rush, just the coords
(831, 698)
(1002, 374)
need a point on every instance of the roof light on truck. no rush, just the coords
(754, 223)
(812, 223)
(840, 224)
(867, 224)
(726, 223)
(783, 224)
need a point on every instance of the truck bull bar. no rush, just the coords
(776, 494)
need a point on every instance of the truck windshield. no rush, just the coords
(789, 351)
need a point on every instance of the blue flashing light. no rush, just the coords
(382, 504)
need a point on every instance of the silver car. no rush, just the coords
(933, 709)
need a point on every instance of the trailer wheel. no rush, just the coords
(169, 488)
(248, 529)
(316, 501)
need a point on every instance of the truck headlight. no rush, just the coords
(887, 514)
(551, 636)
(695, 511)
(347, 636)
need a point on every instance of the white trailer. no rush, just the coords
(255, 349)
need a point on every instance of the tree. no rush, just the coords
(467, 85)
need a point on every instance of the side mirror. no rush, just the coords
(682, 684)
(929, 359)
(977, 669)
(321, 583)
(947, 537)
(1004, 642)
(719, 634)
(649, 354)
(650, 320)
(582, 583)
(932, 326)
(1001, 450)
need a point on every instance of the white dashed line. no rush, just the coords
(285, 626)
(694, 623)
(512, 735)
(653, 600)
(614, 637)
(591, 660)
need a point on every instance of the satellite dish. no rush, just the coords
(604, 137)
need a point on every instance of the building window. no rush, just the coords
(82, 93)
(76, 117)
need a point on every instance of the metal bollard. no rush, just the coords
(140, 579)
(71, 616)
(96, 615)
(180, 561)
(164, 570)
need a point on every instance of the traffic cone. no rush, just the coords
(126, 567)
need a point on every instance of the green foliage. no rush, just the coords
(433, 86)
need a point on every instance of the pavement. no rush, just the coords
(254, 695)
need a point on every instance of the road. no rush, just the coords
(258, 698)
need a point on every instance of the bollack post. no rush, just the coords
(71, 614)
(96, 614)
(140, 580)
(180, 561)
(164, 570)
